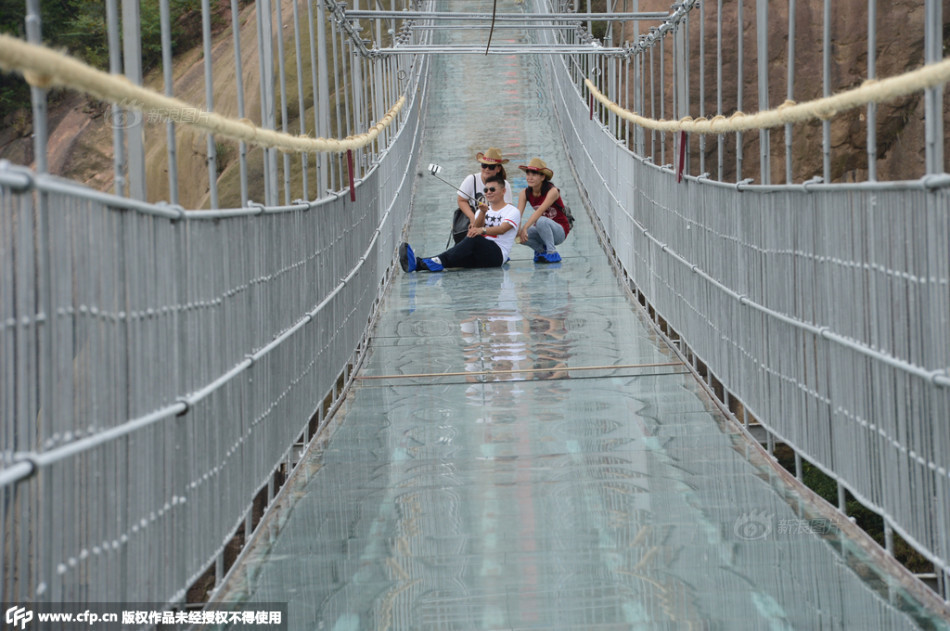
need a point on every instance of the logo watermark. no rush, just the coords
(128, 114)
(19, 616)
(753, 526)
(121, 616)
(756, 525)
(122, 118)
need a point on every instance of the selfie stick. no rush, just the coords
(435, 169)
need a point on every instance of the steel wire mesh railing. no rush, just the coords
(821, 309)
(159, 368)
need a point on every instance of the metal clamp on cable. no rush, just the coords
(24, 467)
(30, 460)
(933, 181)
(184, 401)
(940, 378)
(260, 207)
(8, 169)
(176, 207)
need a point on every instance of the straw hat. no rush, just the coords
(537, 165)
(492, 156)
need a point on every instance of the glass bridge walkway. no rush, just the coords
(522, 451)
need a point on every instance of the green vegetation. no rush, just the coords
(79, 26)
(865, 518)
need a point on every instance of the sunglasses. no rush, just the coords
(489, 166)
(490, 189)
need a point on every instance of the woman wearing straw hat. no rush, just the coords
(473, 187)
(549, 224)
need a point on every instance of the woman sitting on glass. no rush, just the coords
(548, 225)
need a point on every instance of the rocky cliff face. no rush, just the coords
(81, 138)
(81, 129)
(900, 48)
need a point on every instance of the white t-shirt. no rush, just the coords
(510, 215)
(473, 182)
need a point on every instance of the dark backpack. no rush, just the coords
(567, 213)
(460, 221)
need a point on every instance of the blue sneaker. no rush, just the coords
(407, 259)
(552, 257)
(431, 264)
(539, 257)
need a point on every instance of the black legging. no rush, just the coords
(472, 252)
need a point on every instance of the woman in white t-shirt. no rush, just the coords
(489, 240)
(473, 186)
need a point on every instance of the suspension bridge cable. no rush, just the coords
(44, 68)
(871, 91)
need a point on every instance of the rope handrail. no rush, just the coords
(871, 91)
(44, 68)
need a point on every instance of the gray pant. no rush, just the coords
(544, 235)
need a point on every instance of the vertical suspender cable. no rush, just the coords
(640, 99)
(682, 37)
(132, 54)
(340, 123)
(321, 103)
(625, 72)
(826, 91)
(639, 85)
(611, 80)
(265, 38)
(740, 81)
(702, 83)
(115, 67)
(721, 137)
(590, 23)
(239, 84)
(304, 164)
(282, 79)
(209, 99)
(318, 159)
(762, 55)
(378, 77)
(37, 95)
(355, 107)
(611, 74)
(652, 105)
(370, 78)
(603, 71)
(687, 63)
(872, 107)
(346, 70)
(676, 71)
(662, 98)
(169, 78)
(790, 89)
(933, 97)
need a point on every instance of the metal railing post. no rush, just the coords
(762, 59)
(134, 132)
